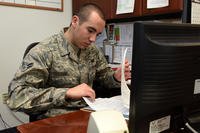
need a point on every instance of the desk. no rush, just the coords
(75, 122)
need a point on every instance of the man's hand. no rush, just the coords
(82, 90)
(127, 72)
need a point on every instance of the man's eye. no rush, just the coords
(90, 31)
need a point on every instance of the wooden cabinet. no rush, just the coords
(140, 8)
(76, 4)
(105, 5)
(109, 7)
(174, 7)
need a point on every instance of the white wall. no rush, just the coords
(18, 28)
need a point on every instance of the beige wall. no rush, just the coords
(18, 28)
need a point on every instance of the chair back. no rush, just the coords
(29, 48)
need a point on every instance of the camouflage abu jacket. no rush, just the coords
(49, 69)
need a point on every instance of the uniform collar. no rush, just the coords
(63, 45)
(67, 48)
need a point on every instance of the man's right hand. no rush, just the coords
(82, 90)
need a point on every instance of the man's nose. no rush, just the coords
(93, 37)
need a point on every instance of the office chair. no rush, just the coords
(29, 48)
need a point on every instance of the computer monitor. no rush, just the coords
(165, 75)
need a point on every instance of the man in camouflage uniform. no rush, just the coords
(59, 71)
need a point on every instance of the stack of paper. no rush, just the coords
(113, 103)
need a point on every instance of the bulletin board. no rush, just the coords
(53, 5)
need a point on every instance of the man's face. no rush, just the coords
(85, 33)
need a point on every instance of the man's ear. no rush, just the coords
(75, 20)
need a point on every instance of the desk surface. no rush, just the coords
(68, 123)
(75, 122)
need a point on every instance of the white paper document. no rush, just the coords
(125, 33)
(31, 2)
(125, 6)
(49, 3)
(20, 1)
(157, 3)
(113, 103)
(125, 91)
(11, 1)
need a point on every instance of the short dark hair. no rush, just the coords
(85, 11)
